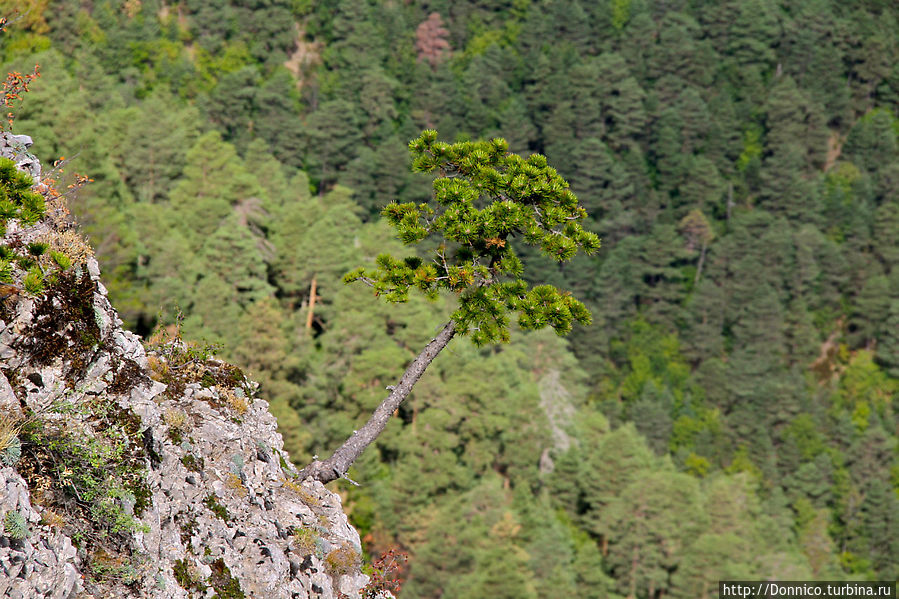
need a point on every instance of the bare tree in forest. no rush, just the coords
(430, 40)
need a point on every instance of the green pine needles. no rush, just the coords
(34, 281)
(15, 526)
(485, 199)
(16, 198)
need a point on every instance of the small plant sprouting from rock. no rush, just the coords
(107, 567)
(187, 577)
(61, 260)
(6, 267)
(343, 560)
(10, 446)
(193, 463)
(12, 453)
(305, 496)
(98, 482)
(225, 585)
(237, 464)
(237, 401)
(178, 422)
(15, 85)
(65, 248)
(384, 574)
(175, 417)
(15, 526)
(216, 508)
(64, 325)
(307, 541)
(37, 248)
(234, 478)
(17, 200)
(34, 281)
(177, 363)
(234, 482)
(52, 519)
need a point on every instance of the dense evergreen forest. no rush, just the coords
(731, 412)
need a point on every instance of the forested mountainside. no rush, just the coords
(731, 411)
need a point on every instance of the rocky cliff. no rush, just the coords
(137, 471)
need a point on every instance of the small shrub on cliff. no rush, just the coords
(34, 281)
(178, 422)
(6, 268)
(15, 526)
(52, 518)
(384, 574)
(177, 363)
(61, 260)
(66, 248)
(37, 248)
(234, 482)
(98, 481)
(17, 200)
(13, 87)
(108, 567)
(307, 541)
(225, 585)
(343, 560)
(11, 453)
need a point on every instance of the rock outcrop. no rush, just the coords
(127, 471)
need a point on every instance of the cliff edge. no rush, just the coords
(133, 471)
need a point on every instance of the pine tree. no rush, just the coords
(334, 136)
(276, 117)
(622, 102)
(431, 40)
(150, 162)
(215, 180)
(650, 527)
(679, 51)
(888, 343)
(523, 198)
(620, 458)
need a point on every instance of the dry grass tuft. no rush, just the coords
(52, 519)
(239, 404)
(307, 541)
(10, 427)
(159, 369)
(69, 243)
(343, 560)
(175, 418)
(305, 496)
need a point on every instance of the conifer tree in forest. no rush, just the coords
(484, 197)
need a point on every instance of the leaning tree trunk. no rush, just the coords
(339, 463)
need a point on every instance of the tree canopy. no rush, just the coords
(485, 198)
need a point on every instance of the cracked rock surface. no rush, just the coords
(217, 510)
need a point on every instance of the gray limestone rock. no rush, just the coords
(219, 508)
(15, 147)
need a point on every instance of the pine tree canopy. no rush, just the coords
(484, 197)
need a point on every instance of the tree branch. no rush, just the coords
(339, 463)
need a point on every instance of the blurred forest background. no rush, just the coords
(731, 413)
